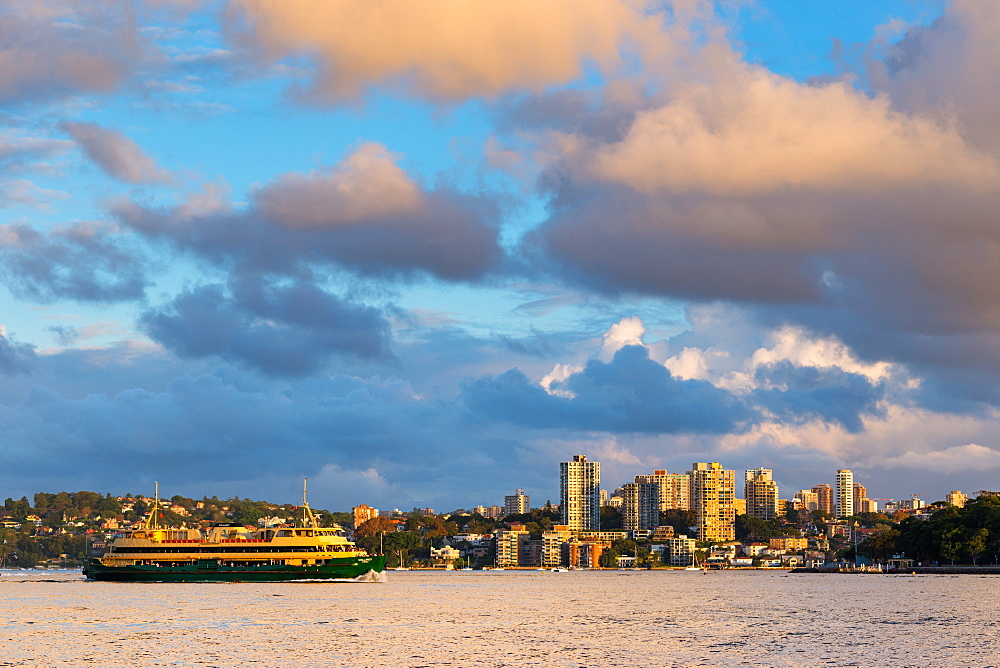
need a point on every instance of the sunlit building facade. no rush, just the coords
(761, 493)
(713, 498)
(580, 494)
(845, 493)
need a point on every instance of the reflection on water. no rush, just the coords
(508, 618)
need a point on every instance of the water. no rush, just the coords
(508, 618)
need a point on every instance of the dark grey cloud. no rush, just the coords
(84, 262)
(451, 236)
(793, 394)
(284, 329)
(632, 393)
(114, 153)
(16, 358)
(354, 438)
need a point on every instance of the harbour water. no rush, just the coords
(507, 618)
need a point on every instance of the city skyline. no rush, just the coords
(423, 260)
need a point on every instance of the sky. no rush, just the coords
(420, 253)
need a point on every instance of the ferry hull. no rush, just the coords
(212, 571)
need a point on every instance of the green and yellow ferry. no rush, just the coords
(227, 552)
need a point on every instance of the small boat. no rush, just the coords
(230, 552)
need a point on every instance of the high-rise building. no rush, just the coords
(510, 544)
(675, 489)
(580, 494)
(824, 496)
(956, 498)
(845, 493)
(644, 499)
(363, 513)
(517, 503)
(860, 494)
(640, 505)
(713, 496)
(805, 499)
(761, 493)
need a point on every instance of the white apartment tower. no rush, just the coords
(845, 493)
(517, 503)
(580, 494)
(761, 493)
(713, 498)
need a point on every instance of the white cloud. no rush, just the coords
(626, 332)
(795, 345)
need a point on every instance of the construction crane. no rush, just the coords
(920, 494)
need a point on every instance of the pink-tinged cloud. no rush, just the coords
(368, 184)
(447, 50)
(755, 132)
(949, 68)
(364, 214)
(58, 48)
(818, 203)
(115, 154)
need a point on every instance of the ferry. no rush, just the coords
(228, 552)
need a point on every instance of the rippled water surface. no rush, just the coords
(508, 618)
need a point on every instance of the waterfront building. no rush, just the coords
(510, 544)
(580, 494)
(680, 551)
(517, 503)
(363, 513)
(824, 496)
(761, 494)
(713, 495)
(956, 498)
(585, 553)
(552, 545)
(845, 493)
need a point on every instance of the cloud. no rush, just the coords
(367, 185)
(446, 51)
(941, 68)
(24, 153)
(971, 457)
(816, 205)
(276, 328)
(115, 154)
(84, 262)
(626, 332)
(632, 393)
(365, 214)
(23, 192)
(15, 358)
(56, 48)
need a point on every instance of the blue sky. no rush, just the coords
(422, 253)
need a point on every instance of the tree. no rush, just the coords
(609, 558)
(611, 518)
(881, 545)
(375, 526)
(976, 545)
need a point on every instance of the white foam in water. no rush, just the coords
(503, 619)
